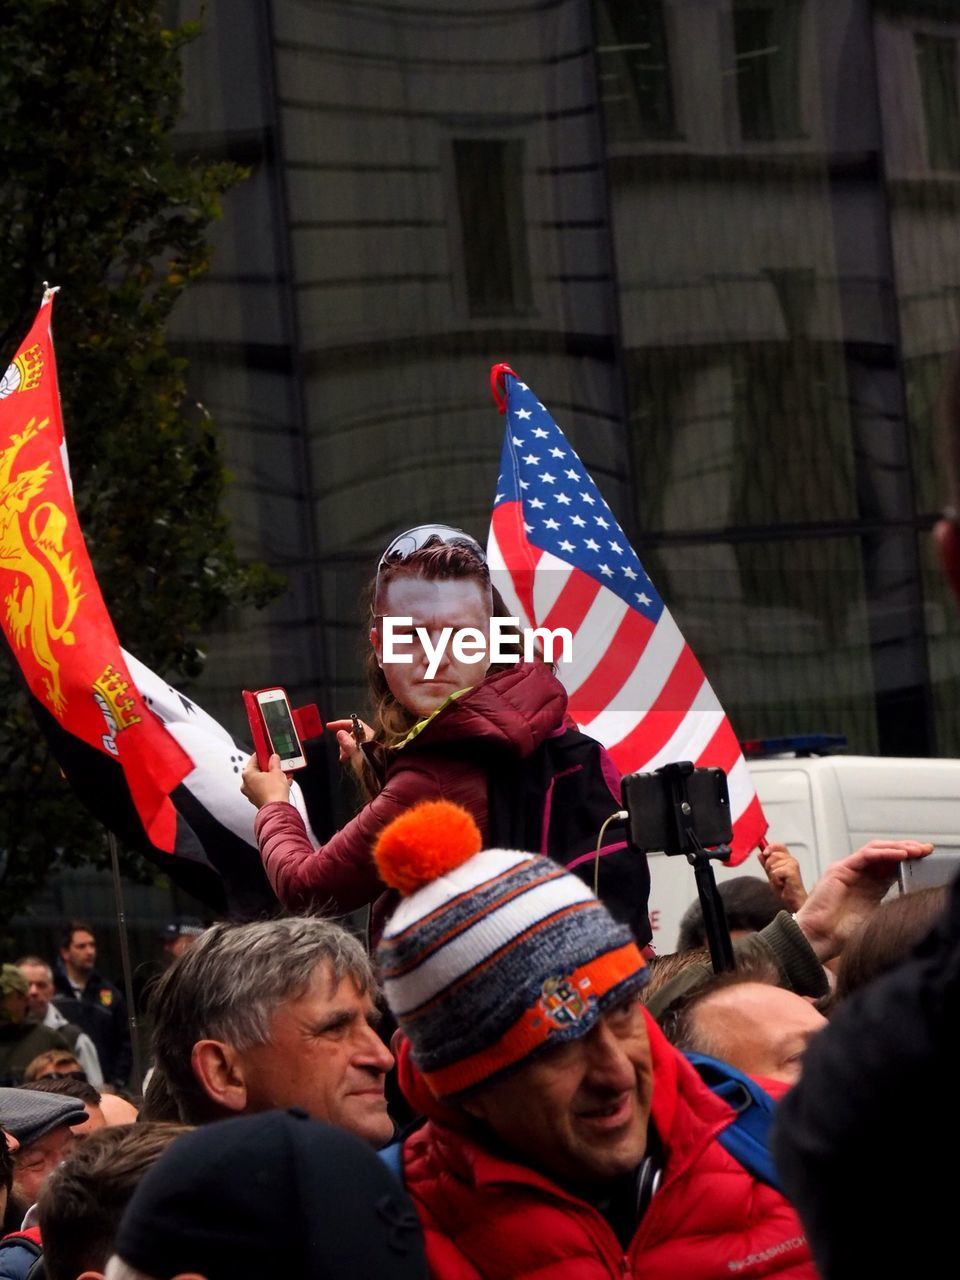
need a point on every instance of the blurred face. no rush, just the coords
(325, 1056)
(760, 1029)
(41, 989)
(13, 1006)
(174, 948)
(592, 1103)
(62, 1068)
(454, 603)
(33, 1164)
(81, 955)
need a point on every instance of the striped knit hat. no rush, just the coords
(492, 957)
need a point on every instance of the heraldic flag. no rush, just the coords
(560, 559)
(146, 761)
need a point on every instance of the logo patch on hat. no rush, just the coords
(562, 1003)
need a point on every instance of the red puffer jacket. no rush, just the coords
(486, 1218)
(512, 711)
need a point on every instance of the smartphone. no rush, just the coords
(646, 797)
(935, 869)
(278, 722)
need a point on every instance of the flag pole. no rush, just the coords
(125, 963)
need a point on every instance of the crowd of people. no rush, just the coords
(501, 1080)
(568, 1106)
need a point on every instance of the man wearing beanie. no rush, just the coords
(565, 1136)
(271, 1195)
(20, 1040)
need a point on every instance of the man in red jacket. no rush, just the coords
(565, 1137)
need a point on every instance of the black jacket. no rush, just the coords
(101, 1012)
(866, 1142)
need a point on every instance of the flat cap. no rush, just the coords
(29, 1115)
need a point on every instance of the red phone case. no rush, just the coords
(306, 721)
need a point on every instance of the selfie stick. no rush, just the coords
(685, 841)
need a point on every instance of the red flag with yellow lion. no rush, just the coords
(51, 609)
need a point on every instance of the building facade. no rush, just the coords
(719, 237)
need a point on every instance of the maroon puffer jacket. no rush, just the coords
(512, 711)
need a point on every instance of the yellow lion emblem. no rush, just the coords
(30, 604)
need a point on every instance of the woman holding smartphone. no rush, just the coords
(432, 735)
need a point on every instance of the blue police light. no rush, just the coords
(800, 744)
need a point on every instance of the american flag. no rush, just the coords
(560, 559)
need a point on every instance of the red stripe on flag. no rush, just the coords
(573, 603)
(666, 715)
(748, 830)
(722, 751)
(520, 556)
(611, 673)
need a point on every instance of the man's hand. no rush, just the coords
(350, 753)
(849, 890)
(265, 786)
(783, 872)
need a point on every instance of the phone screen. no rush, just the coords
(283, 736)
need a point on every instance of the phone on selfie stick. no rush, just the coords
(274, 728)
(680, 810)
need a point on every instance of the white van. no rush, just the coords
(823, 809)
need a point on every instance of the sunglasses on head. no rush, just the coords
(405, 544)
(63, 1075)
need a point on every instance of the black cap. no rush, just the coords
(276, 1194)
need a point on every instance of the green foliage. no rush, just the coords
(95, 198)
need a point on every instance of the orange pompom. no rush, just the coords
(425, 842)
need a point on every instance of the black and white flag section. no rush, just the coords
(214, 853)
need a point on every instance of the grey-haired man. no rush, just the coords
(279, 1013)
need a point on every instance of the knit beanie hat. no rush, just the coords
(493, 956)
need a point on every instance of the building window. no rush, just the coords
(489, 179)
(937, 67)
(634, 69)
(766, 37)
